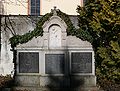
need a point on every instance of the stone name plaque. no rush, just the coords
(81, 62)
(54, 63)
(28, 62)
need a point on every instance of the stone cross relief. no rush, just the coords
(54, 11)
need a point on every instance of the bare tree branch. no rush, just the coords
(11, 25)
(6, 26)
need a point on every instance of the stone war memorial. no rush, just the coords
(47, 60)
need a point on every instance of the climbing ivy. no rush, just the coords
(71, 30)
(38, 31)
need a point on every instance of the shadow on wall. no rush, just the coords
(65, 83)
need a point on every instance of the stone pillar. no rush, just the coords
(6, 60)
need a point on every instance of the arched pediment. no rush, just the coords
(54, 20)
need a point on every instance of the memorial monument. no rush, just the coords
(55, 61)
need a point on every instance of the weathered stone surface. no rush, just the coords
(28, 62)
(55, 81)
(27, 80)
(54, 63)
(84, 80)
(81, 62)
(74, 42)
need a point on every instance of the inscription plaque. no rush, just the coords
(54, 63)
(81, 62)
(28, 62)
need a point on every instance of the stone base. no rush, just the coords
(55, 89)
(55, 83)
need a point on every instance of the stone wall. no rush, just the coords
(20, 25)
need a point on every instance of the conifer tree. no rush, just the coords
(101, 18)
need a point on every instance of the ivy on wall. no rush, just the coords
(71, 30)
(38, 31)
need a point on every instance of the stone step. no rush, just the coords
(54, 89)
